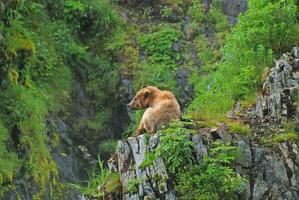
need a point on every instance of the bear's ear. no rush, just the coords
(146, 93)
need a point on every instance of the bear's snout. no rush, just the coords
(130, 105)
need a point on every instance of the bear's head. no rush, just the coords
(143, 98)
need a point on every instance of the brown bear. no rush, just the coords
(161, 107)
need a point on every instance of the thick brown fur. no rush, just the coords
(161, 107)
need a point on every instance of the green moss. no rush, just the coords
(217, 17)
(284, 135)
(29, 122)
(16, 43)
(13, 76)
(9, 163)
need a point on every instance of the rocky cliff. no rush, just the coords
(272, 170)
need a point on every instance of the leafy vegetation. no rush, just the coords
(289, 136)
(240, 128)
(9, 163)
(133, 185)
(149, 159)
(214, 178)
(108, 147)
(250, 47)
(160, 68)
(175, 148)
(43, 49)
(101, 182)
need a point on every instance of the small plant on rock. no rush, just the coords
(176, 147)
(214, 178)
(99, 184)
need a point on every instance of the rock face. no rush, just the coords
(272, 173)
(152, 180)
(280, 90)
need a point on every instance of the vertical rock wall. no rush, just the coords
(279, 96)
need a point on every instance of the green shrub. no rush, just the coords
(214, 178)
(130, 130)
(160, 68)
(91, 18)
(133, 185)
(175, 147)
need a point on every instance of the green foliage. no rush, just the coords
(217, 17)
(288, 135)
(175, 147)
(160, 68)
(237, 127)
(99, 183)
(92, 18)
(19, 43)
(206, 54)
(133, 125)
(132, 186)
(166, 11)
(158, 45)
(108, 147)
(209, 104)
(210, 123)
(149, 159)
(263, 31)
(41, 50)
(196, 11)
(25, 111)
(285, 137)
(214, 178)
(9, 163)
